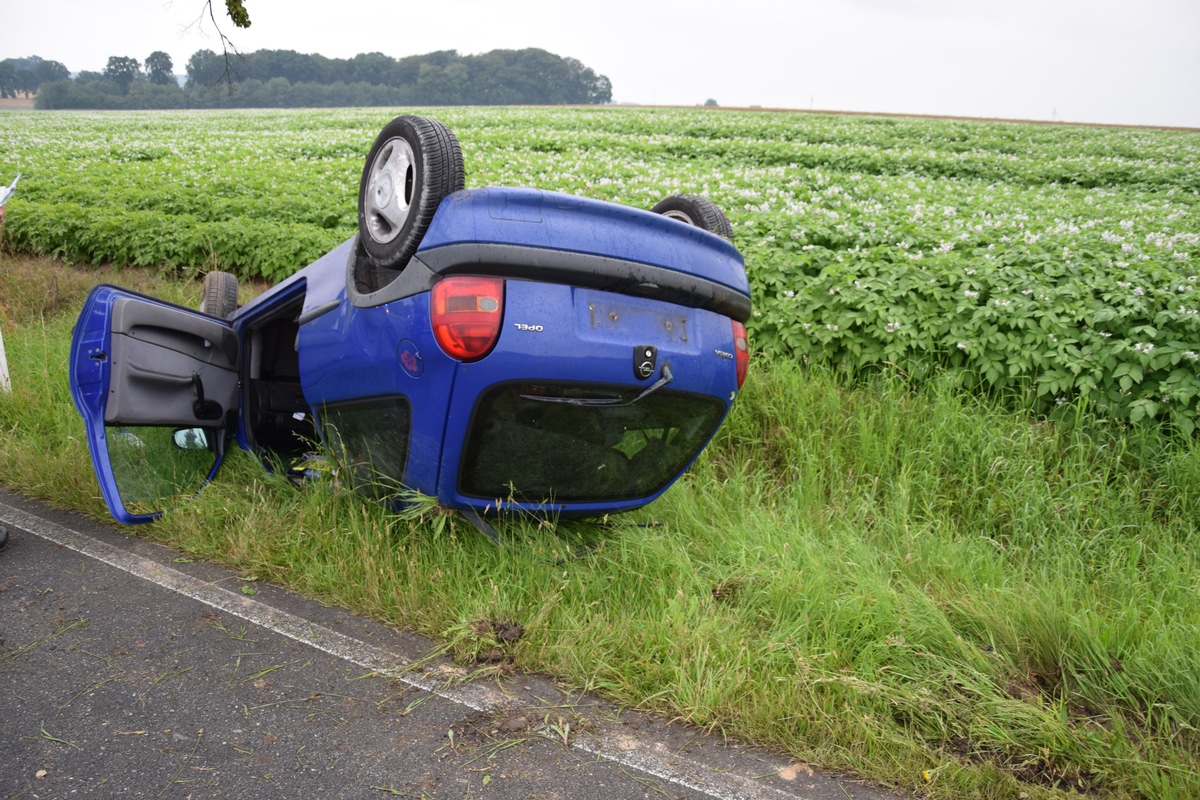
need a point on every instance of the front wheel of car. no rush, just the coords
(413, 164)
(220, 295)
(698, 211)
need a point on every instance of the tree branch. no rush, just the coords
(237, 13)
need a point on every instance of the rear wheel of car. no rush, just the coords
(413, 164)
(220, 295)
(698, 211)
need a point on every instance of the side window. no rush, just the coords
(152, 465)
(369, 440)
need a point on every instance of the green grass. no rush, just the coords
(914, 585)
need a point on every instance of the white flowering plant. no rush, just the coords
(1045, 262)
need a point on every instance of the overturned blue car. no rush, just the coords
(500, 349)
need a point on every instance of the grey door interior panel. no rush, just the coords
(202, 338)
(164, 361)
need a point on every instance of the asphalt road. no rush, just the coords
(127, 671)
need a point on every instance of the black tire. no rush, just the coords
(698, 211)
(220, 295)
(413, 164)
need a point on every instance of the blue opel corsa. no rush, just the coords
(500, 349)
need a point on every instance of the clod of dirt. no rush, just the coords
(492, 655)
(508, 631)
(515, 723)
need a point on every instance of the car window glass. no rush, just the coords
(539, 442)
(155, 464)
(368, 441)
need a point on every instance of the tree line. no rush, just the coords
(284, 78)
(22, 76)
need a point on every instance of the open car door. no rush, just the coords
(156, 385)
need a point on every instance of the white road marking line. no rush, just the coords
(476, 697)
(607, 740)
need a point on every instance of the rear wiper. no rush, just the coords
(606, 402)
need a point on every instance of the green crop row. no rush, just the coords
(253, 247)
(1056, 264)
(1122, 340)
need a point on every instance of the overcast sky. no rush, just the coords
(1118, 61)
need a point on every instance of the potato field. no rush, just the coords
(1054, 263)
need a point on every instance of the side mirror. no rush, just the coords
(190, 439)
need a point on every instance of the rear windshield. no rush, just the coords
(536, 442)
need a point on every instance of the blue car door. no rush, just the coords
(157, 387)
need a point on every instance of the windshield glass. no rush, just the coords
(536, 442)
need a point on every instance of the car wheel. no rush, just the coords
(220, 295)
(414, 163)
(698, 211)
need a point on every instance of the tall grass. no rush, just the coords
(917, 586)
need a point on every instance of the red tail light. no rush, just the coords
(466, 312)
(741, 351)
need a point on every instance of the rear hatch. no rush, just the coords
(591, 401)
